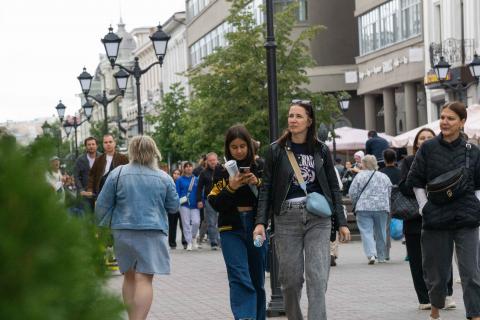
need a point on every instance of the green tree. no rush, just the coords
(168, 127)
(51, 264)
(230, 85)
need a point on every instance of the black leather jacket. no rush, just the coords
(277, 177)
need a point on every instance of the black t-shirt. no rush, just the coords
(306, 163)
(393, 173)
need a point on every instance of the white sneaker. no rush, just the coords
(371, 260)
(449, 303)
(189, 247)
(424, 306)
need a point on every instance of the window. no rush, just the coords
(279, 5)
(392, 22)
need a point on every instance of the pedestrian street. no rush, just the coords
(198, 288)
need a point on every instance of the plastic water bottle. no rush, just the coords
(258, 242)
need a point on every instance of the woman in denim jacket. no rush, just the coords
(134, 202)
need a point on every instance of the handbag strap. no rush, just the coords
(468, 146)
(115, 196)
(363, 189)
(296, 169)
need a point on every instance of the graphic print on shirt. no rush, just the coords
(307, 168)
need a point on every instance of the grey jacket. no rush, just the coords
(80, 172)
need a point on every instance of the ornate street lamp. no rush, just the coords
(112, 44)
(442, 69)
(85, 80)
(61, 110)
(69, 125)
(344, 103)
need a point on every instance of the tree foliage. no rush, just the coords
(230, 85)
(51, 264)
(169, 127)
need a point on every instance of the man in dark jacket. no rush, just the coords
(205, 184)
(103, 165)
(375, 145)
(82, 167)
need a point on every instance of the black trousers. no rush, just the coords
(414, 252)
(173, 221)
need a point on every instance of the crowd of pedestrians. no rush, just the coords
(265, 202)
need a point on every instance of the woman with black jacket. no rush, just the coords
(235, 199)
(449, 218)
(413, 228)
(302, 240)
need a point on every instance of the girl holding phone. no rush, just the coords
(235, 198)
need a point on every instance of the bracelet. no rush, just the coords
(229, 189)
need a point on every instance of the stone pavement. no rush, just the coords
(198, 288)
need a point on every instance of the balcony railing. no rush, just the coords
(451, 50)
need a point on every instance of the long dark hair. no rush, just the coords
(415, 141)
(239, 132)
(311, 135)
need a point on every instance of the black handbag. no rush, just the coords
(451, 185)
(403, 207)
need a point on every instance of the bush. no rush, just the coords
(51, 264)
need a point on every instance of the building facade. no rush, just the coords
(452, 30)
(391, 64)
(333, 50)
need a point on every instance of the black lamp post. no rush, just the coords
(85, 80)
(442, 71)
(276, 306)
(112, 43)
(343, 103)
(68, 125)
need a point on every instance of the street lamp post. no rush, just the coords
(442, 71)
(85, 80)
(276, 306)
(343, 103)
(87, 109)
(112, 43)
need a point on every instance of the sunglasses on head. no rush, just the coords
(298, 101)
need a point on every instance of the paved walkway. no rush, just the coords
(198, 288)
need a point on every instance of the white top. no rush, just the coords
(90, 161)
(107, 165)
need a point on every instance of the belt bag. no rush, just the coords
(451, 185)
(316, 204)
(448, 186)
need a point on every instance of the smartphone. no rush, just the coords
(244, 169)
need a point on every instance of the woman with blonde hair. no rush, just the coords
(135, 202)
(370, 193)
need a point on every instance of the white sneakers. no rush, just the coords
(371, 260)
(449, 303)
(424, 306)
(189, 247)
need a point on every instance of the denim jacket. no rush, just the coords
(141, 199)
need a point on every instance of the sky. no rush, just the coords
(46, 43)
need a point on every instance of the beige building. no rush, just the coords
(391, 64)
(333, 50)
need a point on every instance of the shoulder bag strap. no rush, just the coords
(296, 169)
(363, 189)
(190, 186)
(115, 197)
(468, 146)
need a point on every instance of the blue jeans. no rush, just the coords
(211, 216)
(372, 226)
(245, 269)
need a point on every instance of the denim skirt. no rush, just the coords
(145, 251)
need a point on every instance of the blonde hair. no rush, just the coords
(369, 162)
(143, 150)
